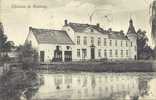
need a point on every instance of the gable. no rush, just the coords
(32, 39)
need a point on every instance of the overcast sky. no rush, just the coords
(51, 14)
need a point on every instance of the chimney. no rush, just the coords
(121, 31)
(98, 25)
(65, 22)
(30, 28)
(110, 30)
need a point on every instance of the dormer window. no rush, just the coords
(91, 30)
(67, 47)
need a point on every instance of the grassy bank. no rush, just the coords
(100, 66)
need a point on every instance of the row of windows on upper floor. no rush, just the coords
(116, 52)
(105, 40)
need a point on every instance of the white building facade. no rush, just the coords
(77, 42)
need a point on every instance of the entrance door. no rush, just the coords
(92, 53)
(67, 56)
(57, 55)
(42, 56)
(135, 57)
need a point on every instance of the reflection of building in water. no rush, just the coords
(91, 86)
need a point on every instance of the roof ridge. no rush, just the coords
(47, 29)
(82, 24)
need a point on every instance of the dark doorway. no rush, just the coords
(92, 52)
(135, 57)
(42, 54)
(57, 55)
(68, 56)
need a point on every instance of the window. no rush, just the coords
(116, 52)
(30, 42)
(105, 41)
(84, 53)
(110, 53)
(126, 44)
(99, 41)
(68, 47)
(78, 53)
(42, 56)
(121, 53)
(121, 43)
(131, 44)
(127, 53)
(92, 40)
(135, 48)
(85, 40)
(110, 42)
(99, 52)
(116, 42)
(105, 53)
(91, 30)
(78, 40)
(68, 29)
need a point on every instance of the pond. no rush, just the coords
(97, 86)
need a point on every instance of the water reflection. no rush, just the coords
(107, 86)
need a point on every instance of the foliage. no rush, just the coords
(5, 45)
(154, 53)
(27, 56)
(143, 49)
(14, 85)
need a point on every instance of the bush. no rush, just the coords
(28, 56)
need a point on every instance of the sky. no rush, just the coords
(18, 15)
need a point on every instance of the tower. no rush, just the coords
(132, 36)
(153, 22)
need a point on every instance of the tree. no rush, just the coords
(153, 21)
(5, 46)
(154, 53)
(27, 56)
(14, 85)
(143, 49)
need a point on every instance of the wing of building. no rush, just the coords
(77, 41)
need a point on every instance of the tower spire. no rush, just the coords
(131, 29)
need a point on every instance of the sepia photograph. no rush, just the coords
(77, 49)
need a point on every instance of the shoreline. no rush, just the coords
(101, 66)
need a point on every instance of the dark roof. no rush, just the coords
(51, 36)
(117, 35)
(131, 29)
(77, 27)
